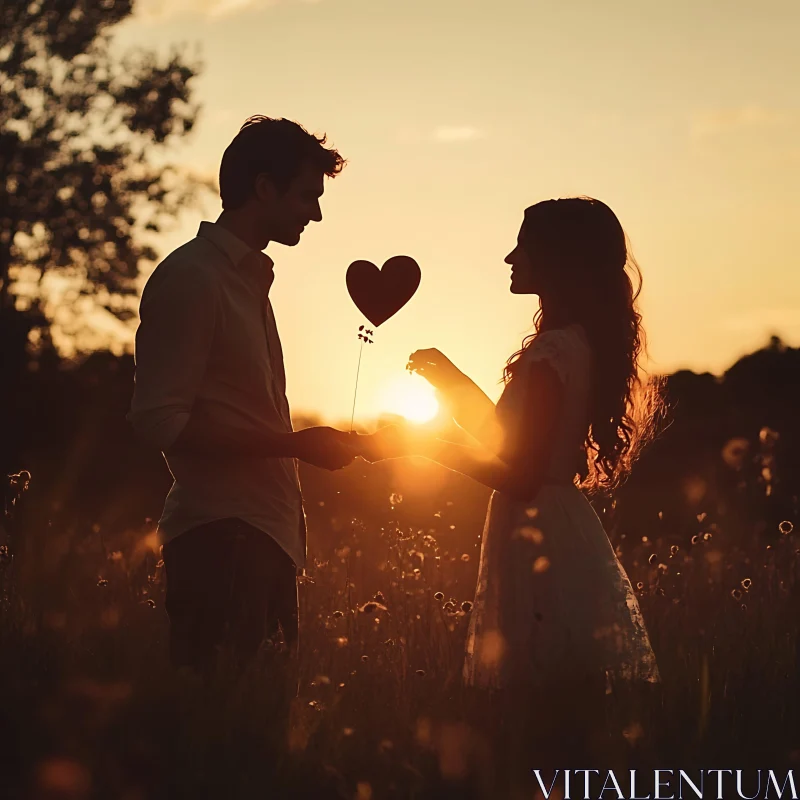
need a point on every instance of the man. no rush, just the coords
(210, 394)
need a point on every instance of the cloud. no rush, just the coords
(458, 133)
(705, 124)
(161, 10)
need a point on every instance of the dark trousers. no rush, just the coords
(229, 586)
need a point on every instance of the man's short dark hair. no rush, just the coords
(278, 147)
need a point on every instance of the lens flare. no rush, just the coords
(410, 397)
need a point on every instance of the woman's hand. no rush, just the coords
(388, 442)
(437, 369)
(391, 441)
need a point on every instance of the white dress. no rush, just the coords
(553, 603)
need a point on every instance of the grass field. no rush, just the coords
(91, 708)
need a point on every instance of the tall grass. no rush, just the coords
(90, 707)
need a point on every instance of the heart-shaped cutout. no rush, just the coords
(381, 293)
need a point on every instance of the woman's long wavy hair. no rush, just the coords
(584, 266)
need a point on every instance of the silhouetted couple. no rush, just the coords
(553, 606)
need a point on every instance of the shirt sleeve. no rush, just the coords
(177, 321)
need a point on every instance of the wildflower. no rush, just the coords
(466, 606)
(746, 584)
(438, 596)
(785, 527)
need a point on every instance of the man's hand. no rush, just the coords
(323, 447)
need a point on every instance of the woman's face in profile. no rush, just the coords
(523, 274)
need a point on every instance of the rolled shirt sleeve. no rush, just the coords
(178, 315)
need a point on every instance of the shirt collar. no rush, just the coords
(240, 253)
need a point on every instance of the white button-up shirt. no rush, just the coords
(207, 339)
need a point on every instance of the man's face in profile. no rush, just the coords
(297, 206)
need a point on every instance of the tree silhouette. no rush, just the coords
(84, 137)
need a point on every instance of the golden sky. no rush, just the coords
(457, 114)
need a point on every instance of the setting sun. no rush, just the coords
(411, 397)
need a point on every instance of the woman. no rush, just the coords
(554, 610)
